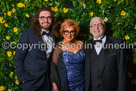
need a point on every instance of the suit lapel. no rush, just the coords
(88, 51)
(106, 52)
(41, 42)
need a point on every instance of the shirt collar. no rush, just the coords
(103, 39)
(44, 31)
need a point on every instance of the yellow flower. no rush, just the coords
(135, 26)
(11, 73)
(16, 77)
(5, 13)
(84, 5)
(27, 15)
(14, 53)
(105, 19)
(6, 24)
(13, 10)
(7, 37)
(2, 88)
(20, 5)
(17, 82)
(15, 29)
(123, 12)
(99, 1)
(46, 0)
(91, 13)
(9, 13)
(54, 9)
(65, 10)
(127, 37)
(51, 4)
(1, 19)
(9, 90)
(9, 53)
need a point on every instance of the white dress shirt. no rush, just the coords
(50, 42)
(98, 46)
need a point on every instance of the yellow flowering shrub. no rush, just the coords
(119, 16)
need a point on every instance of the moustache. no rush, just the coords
(45, 22)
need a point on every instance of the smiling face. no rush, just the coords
(97, 28)
(45, 19)
(69, 33)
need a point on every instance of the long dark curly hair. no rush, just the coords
(35, 25)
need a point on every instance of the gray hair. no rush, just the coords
(97, 18)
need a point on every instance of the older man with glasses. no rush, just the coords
(105, 67)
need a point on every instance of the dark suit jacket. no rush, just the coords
(30, 60)
(113, 72)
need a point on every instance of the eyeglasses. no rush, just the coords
(99, 25)
(66, 32)
(48, 18)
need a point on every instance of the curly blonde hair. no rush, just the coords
(69, 23)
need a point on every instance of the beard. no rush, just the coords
(98, 33)
(46, 25)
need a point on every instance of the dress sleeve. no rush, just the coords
(54, 76)
(56, 53)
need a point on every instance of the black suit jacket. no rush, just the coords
(113, 72)
(30, 60)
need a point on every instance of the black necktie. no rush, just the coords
(100, 40)
(94, 41)
(45, 33)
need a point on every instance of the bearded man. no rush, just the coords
(32, 57)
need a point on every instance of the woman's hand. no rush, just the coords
(54, 86)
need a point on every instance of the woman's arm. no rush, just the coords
(54, 86)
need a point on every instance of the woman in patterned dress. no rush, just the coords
(67, 66)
